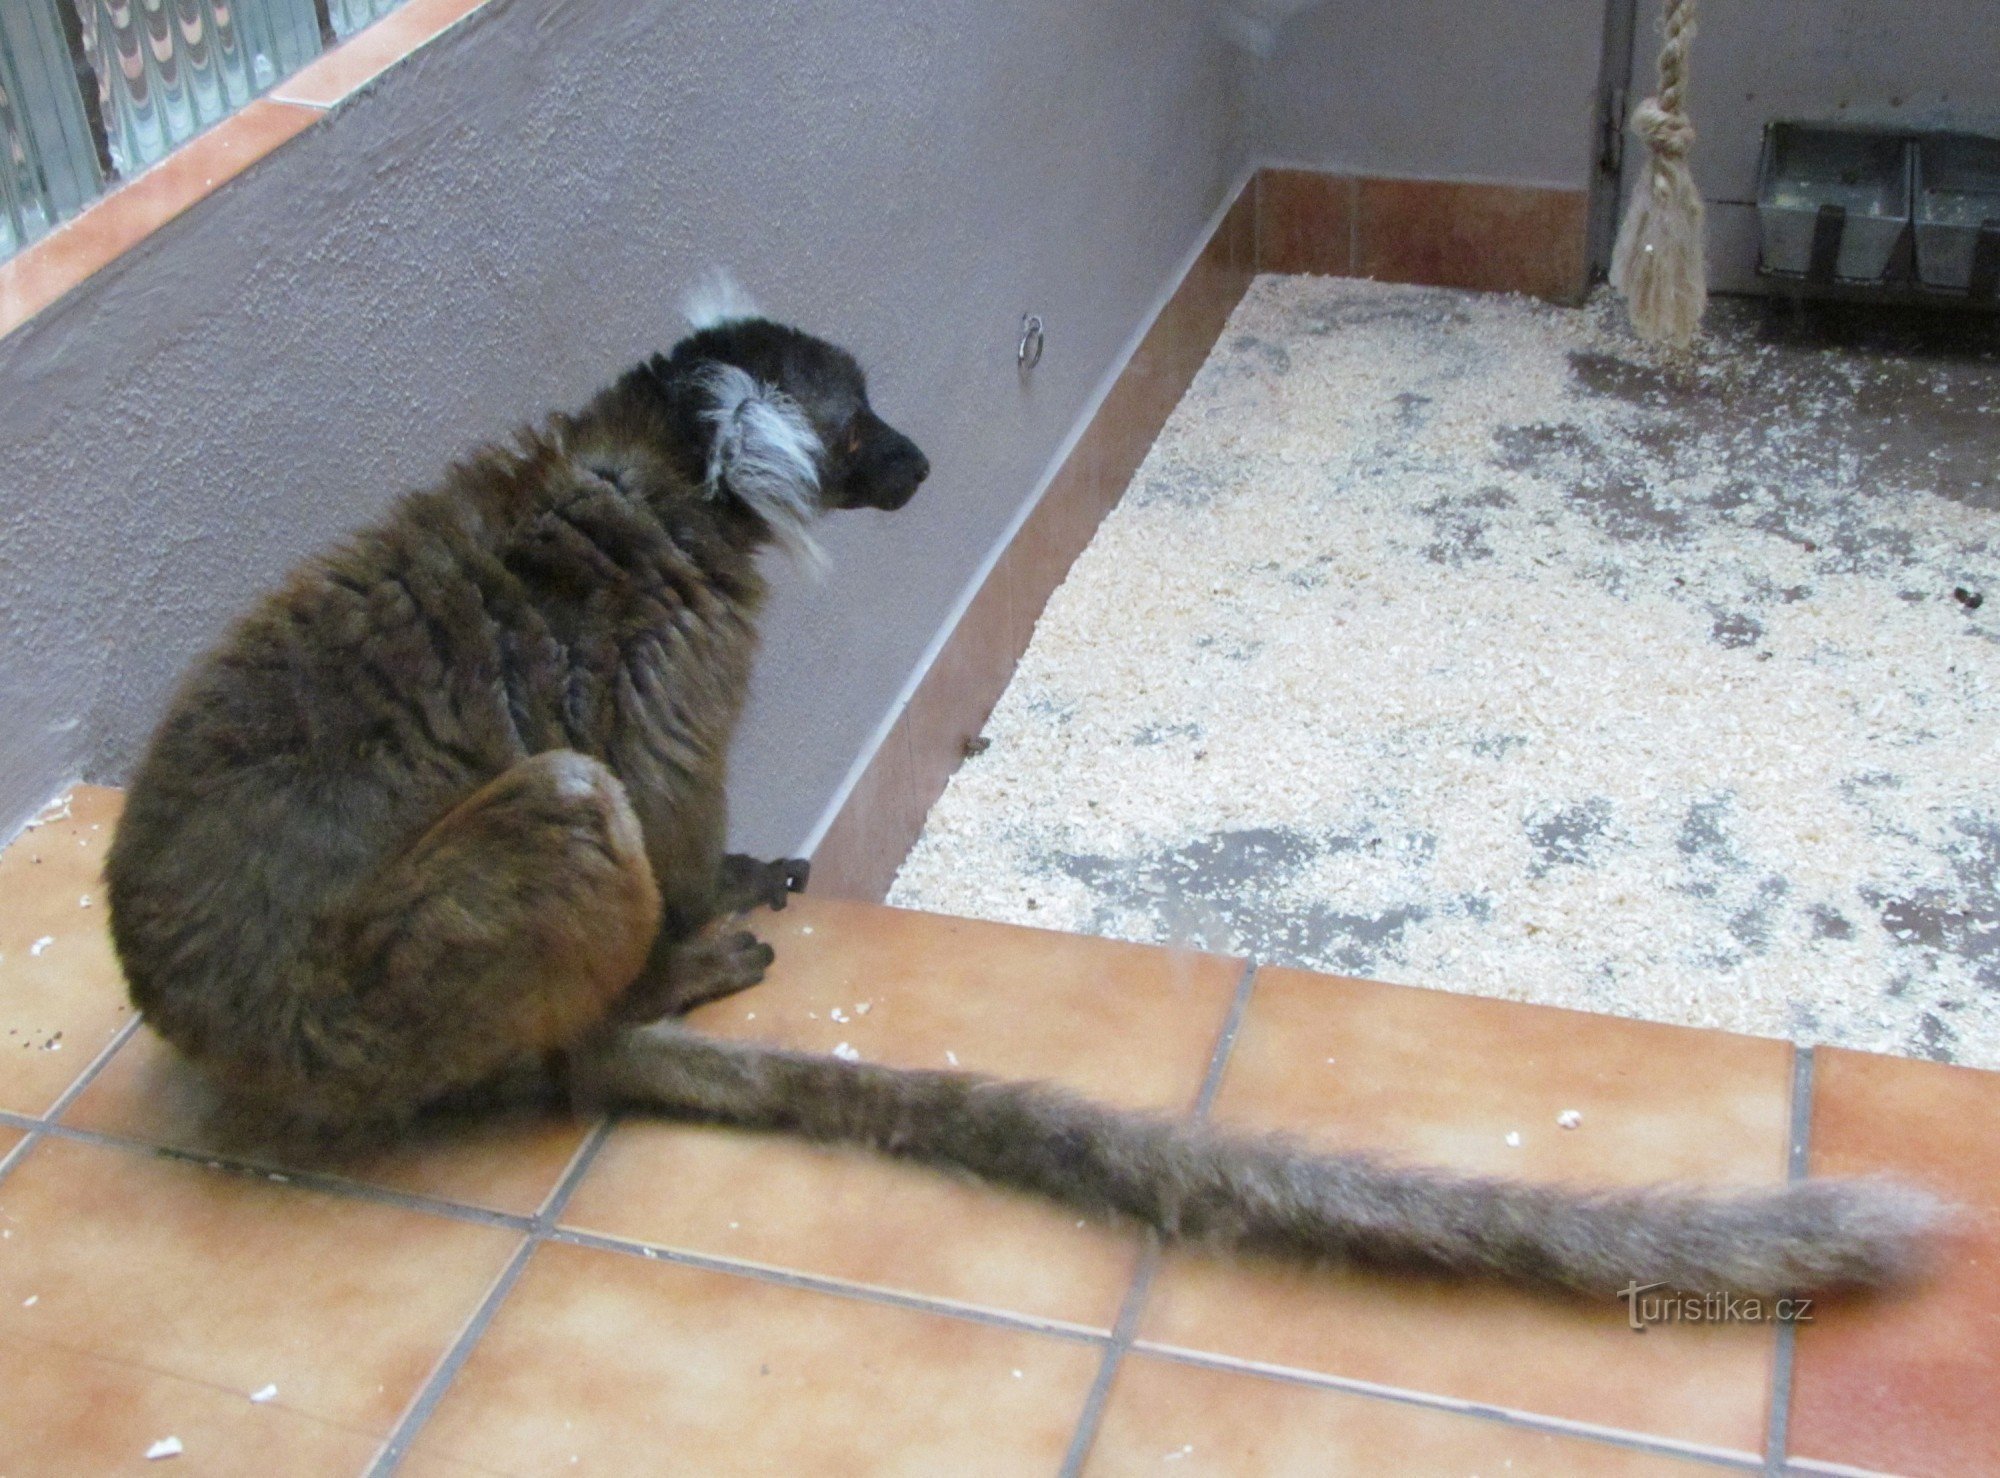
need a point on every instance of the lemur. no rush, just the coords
(442, 820)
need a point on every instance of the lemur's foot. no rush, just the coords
(695, 973)
(747, 882)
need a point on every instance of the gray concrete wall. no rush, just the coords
(509, 219)
(1434, 89)
(1864, 60)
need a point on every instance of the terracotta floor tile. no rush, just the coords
(428, 1465)
(1125, 1023)
(62, 995)
(1166, 1417)
(366, 55)
(74, 1412)
(1906, 1383)
(134, 1290)
(601, 1362)
(1120, 1022)
(1445, 1079)
(507, 1162)
(850, 1215)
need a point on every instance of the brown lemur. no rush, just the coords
(441, 821)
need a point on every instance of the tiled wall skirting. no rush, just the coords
(1499, 238)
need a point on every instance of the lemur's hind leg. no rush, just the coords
(747, 882)
(514, 927)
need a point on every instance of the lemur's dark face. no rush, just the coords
(863, 461)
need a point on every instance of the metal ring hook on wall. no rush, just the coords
(1030, 353)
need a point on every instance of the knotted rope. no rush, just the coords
(1657, 265)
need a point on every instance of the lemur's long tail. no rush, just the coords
(1268, 1195)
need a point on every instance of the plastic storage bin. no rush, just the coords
(1958, 194)
(1848, 187)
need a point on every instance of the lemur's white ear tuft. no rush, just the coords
(716, 299)
(766, 453)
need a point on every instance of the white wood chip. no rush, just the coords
(1258, 639)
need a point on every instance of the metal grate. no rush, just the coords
(166, 69)
(92, 91)
(49, 162)
(348, 16)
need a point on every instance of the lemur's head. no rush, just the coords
(792, 433)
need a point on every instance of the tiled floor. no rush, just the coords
(554, 1297)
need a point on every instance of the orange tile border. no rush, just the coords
(36, 276)
(1905, 1381)
(347, 68)
(40, 274)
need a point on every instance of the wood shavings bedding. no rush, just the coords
(1443, 638)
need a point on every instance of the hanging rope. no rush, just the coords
(1657, 265)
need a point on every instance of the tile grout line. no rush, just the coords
(1211, 1082)
(1778, 1434)
(1123, 1338)
(1353, 225)
(1092, 1416)
(1502, 1416)
(311, 1180)
(816, 1283)
(397, 1447)
(37, 1126)
(1126, 1329)
(19, 1152)
(84, 1079)
(1256, 223)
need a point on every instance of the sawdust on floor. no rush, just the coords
(1448, 639)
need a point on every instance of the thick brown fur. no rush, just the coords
(447, 808)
